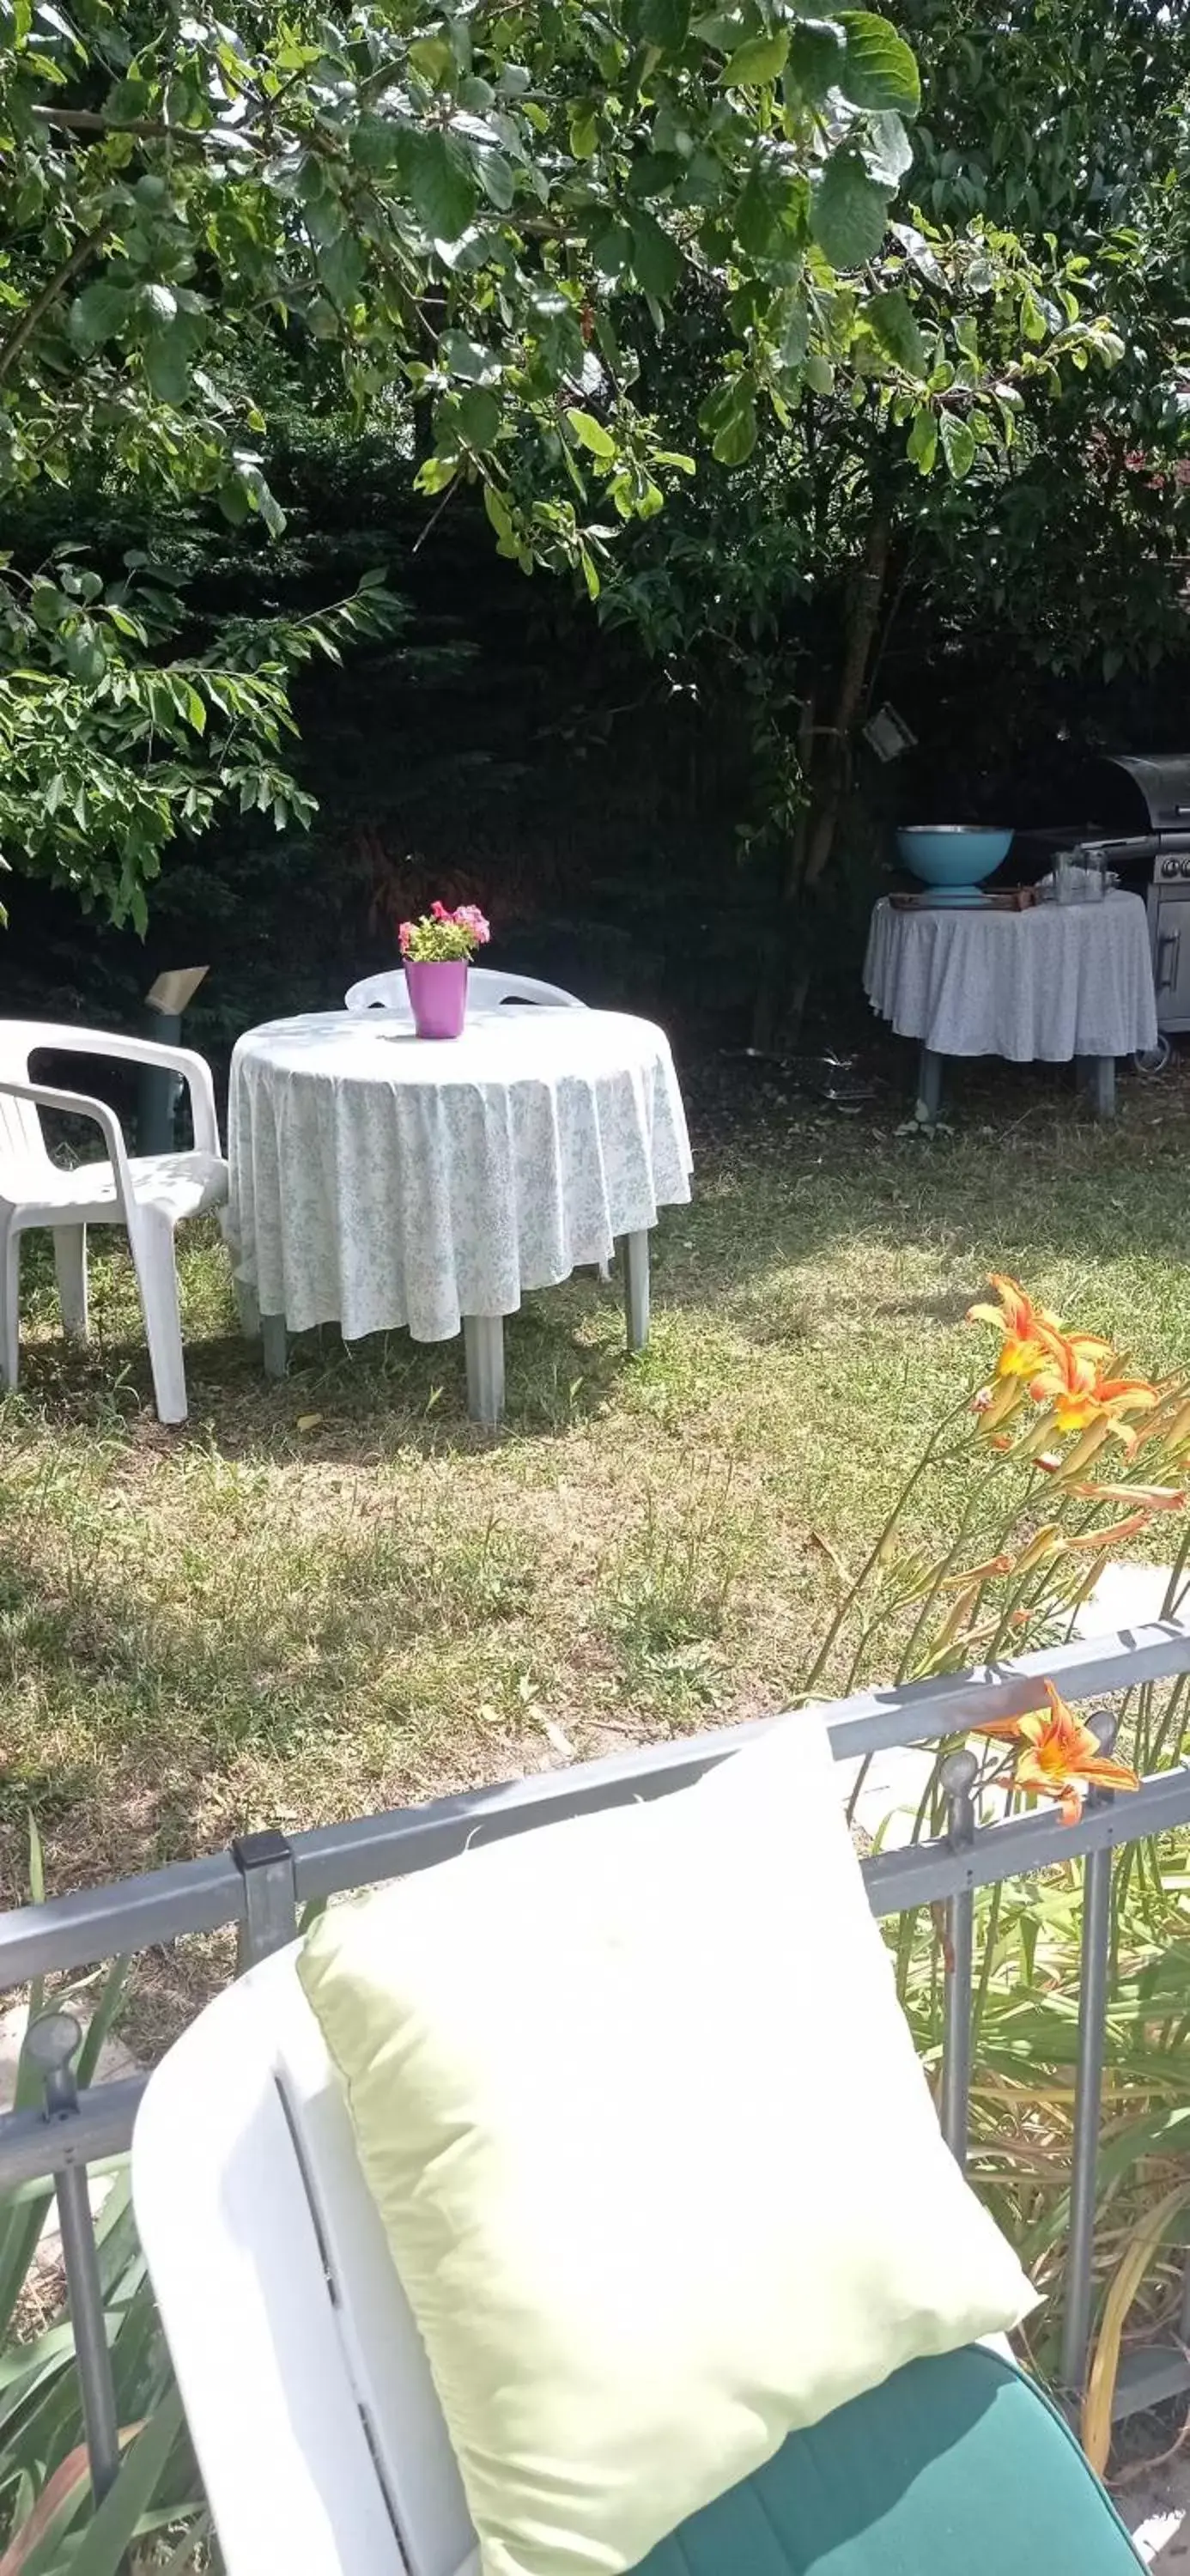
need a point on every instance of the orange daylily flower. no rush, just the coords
(1148, 1498)
(1028, 1332)
(1059, 1756)
(1072, 1380)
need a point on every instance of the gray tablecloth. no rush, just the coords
(379, 1179)
(1057, 981)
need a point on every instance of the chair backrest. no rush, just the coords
(488, 987)
(23, 1150)
(306, 2387)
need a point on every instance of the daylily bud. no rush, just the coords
(1048, 1542)
(1084, 1450)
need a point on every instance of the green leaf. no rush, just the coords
(888, 151)
(666, 24)
(652, 173)
(436, 474)
(233, 501)
(655, 258)
(848, 211)
(728, 419)
(469, 359)
(878, 68)
(500, 517)
(922, 443)
(591, 433)
(432, 57)
(99, 313)
(768, 198)
(816, 56)
(341, 268)
(105, 2541)
(159, 303)
(166, 358)
(496, 178)
(760, 60)
(479, 417)
(611, 249)
(375, 142)
(958, 445)
(441, 187)
(890, 316)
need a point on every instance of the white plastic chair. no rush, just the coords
(487, 985)
(148, 1194)
(306, 2387)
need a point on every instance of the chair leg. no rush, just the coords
(10, 1306)
(70, 1262)
(157, 1278)
(636, 1289)
(483, 1341)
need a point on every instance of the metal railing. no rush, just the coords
(263, 1882)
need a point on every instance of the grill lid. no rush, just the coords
(1163, 783)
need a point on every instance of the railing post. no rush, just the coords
(265, 1863)
(958, 1775)
(51, 2043)
(1088, 2087)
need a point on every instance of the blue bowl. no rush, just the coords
(948, 854)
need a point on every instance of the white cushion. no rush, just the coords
(655, 2157)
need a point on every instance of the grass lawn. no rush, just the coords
(336, 1594)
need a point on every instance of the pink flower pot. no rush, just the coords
(438, 996)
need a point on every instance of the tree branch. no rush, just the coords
(22, 331)
(147, 129)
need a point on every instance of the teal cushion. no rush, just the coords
(957, 2466)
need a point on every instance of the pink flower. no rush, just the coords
(441, 936)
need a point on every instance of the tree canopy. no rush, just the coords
(507, 232)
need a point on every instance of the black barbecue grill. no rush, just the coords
(1138, 813)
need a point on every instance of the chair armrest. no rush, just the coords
(77, 1104)
(175, 1059)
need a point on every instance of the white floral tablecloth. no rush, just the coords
(1058, 981)
(379, 1179)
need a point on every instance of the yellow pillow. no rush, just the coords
(654, 2154)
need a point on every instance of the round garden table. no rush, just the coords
(1054, 983)
(380, 1180)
